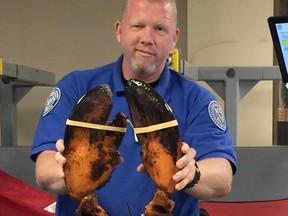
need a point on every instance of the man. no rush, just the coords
(147, 33)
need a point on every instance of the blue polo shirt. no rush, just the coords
(201, 123)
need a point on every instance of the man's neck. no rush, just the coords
(128, 73)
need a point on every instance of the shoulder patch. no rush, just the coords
(217, 115)
(52, 100)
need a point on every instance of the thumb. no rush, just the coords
(141, 168)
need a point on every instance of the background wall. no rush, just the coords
(57, 36)
(61, 36)
(235, 33)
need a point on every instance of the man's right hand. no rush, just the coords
(49, 169)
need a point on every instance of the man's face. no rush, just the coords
(147, 34)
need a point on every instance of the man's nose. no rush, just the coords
(147, 36)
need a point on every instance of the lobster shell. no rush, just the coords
(91, 154)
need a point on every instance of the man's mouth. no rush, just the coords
(145, 53)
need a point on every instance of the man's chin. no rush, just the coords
(143, 68)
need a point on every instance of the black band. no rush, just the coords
(196, 178)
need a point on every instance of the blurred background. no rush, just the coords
(62, 36)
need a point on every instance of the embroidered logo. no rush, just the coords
(217, 115)
(52, 100)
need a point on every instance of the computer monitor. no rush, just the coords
(278, 26)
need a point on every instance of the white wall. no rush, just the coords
(57, 36)
(235, 33)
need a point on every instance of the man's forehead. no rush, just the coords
(142, 3)
(141, 6)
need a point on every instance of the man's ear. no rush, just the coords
(176, 37)
(117, 28)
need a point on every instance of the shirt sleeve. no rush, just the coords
(207, 130)
(51, 126)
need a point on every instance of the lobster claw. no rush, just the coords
(157, 131)
(91, 147)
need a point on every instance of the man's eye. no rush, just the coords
(160, 29)
(137, 26)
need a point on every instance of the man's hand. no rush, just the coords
(49, 169)
(186, 166)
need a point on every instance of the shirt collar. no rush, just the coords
(116, 78)
(161, 87)
(163, 84)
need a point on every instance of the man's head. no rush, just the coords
(172, 2)
(147, 33)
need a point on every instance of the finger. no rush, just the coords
(185, 148)
(120, 160)
(189, 154)
(183, 177)
(60, 158)
(186, 172)
(141, 168)
(181, 185)
(60, 145)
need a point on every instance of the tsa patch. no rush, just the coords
(52, 100)
(217, 115)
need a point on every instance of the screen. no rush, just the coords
(282, 32)
(279, 32)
